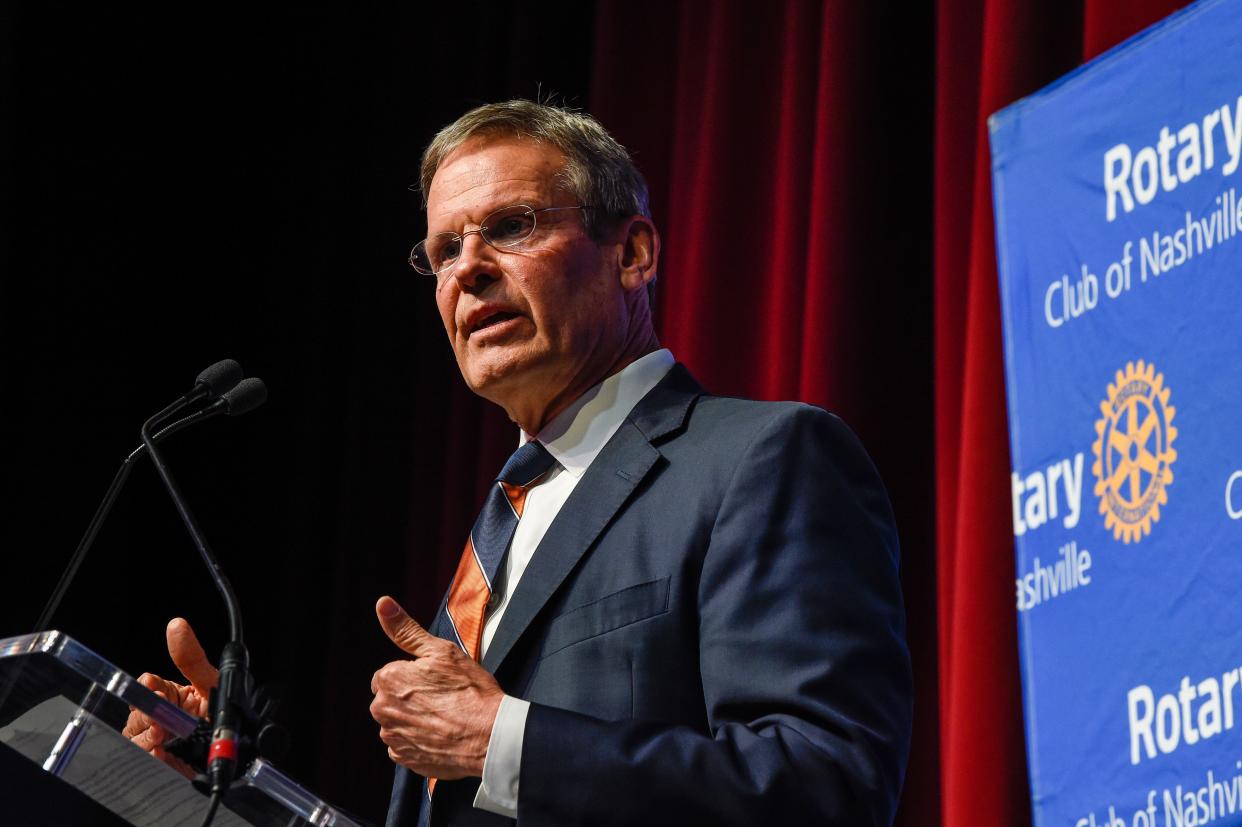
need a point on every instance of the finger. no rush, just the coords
(140, 725)
(150, 738)
(157, 684)
(153, 682)
(169, 691)
(144, 732)
(188, 655)
(403, 631)
(136, 723)
(186, 698)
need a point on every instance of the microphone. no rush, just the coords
(244, 397)
(221, 377)
(223, 380)
(230, 697)
(216, 380)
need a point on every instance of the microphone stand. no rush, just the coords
(230, 698)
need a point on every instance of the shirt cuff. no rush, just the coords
(498, 792)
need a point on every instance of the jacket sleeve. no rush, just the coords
(804, 665)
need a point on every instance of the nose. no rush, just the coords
(476, 267)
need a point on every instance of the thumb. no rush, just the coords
(403, 631)
(188, 656)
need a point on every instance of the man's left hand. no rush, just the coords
(436, 711)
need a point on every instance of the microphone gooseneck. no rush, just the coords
(230, 696)
(191, 524)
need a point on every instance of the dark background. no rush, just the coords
(180, 186)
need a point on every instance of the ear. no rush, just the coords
(640, 252)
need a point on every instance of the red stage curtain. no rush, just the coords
(989, 53)
(789, 149)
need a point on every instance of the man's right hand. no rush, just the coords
(188, 656)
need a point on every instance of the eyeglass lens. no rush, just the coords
(503, 228)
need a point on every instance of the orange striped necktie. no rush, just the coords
(466, 608)
(488, 541)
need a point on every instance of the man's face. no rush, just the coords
(532, 324)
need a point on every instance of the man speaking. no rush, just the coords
(673, 608)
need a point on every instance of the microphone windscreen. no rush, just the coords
(249, 394)
(220, 377)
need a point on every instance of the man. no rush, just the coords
(687, 609)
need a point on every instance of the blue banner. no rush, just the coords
(1118, 207)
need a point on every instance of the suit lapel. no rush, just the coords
(620, 467)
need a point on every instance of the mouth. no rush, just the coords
(492, 321)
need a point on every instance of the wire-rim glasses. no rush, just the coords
(504, 229)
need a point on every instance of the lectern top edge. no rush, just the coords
(96, 669)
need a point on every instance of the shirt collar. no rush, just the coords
(577, 434)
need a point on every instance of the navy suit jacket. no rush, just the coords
(710, 632)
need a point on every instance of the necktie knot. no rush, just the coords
(526, 465)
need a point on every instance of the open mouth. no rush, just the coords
(493, 320)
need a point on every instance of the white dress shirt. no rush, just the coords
(574, 438)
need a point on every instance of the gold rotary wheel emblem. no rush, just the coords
(1134, 451)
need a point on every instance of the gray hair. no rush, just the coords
(598, 170)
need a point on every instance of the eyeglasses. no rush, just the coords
(504, 229)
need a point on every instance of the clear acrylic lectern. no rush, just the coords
(63, 707)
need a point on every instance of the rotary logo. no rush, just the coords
(1134, 451)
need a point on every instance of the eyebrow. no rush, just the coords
(486, 211)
